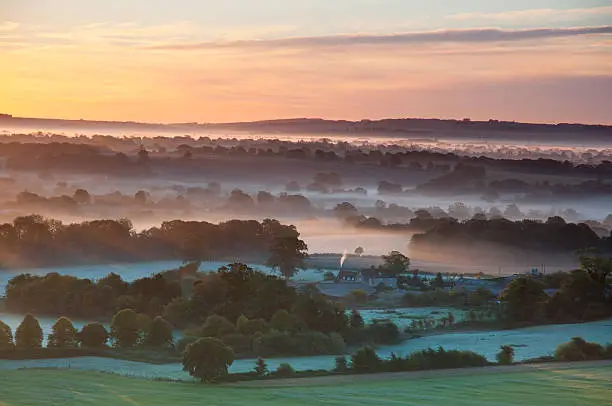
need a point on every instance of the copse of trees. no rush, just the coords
(85, 298)
(469, 239)
(584, 295)
(36, 241)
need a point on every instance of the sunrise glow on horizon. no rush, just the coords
(221, 61)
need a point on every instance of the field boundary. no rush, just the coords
(429, 374)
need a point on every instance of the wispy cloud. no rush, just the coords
(442, 36)
(541, 15)
(7, 26)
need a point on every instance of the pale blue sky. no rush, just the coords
(303, 17)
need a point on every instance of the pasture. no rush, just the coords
(558, 384)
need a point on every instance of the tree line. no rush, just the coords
(37, 241)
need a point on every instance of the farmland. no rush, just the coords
(561, 384)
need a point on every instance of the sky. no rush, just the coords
(238, 60)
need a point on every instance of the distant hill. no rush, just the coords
(402, 127)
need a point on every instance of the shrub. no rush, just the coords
(365, 360)
(506, 355)
(385, 332)
(579, 350)
(93, 335)
(341, 364)
(285, 370)
(440, 359)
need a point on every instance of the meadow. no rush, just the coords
(559, 384)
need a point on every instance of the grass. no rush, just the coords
(580, 385)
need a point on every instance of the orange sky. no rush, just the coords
(166, 73)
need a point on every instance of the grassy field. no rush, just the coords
(574, 385)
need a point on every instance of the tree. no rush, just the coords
(207, 359)
(282, 321)
(506, 355)
(261, 368)
(29, 334)
(396, 262)
(125, 328)
(359, 251)
(345, 209)
(523, 299)
(160, 333)
(64, 334)
(356, 320)
(6, 336)
(217, 326)
(250, 327)
(579, 350)
(365, 360)
(341, 364)
(598, 269)
(82, 196)
(287, 254)
(93, 335)
(285, 370)
(439, 281)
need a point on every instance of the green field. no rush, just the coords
(580, 385)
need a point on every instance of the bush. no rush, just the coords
(506, 355)
(285, 370)
(441, 359)
(341, 364)
(383, 332)
(365, 360)
(579, 350)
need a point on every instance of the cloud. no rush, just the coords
(6, 26)
(547, 14)
(443, 36)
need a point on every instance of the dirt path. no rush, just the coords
(386, 376)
